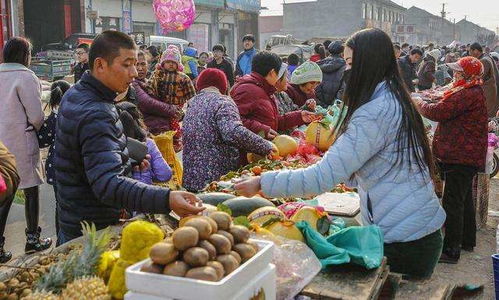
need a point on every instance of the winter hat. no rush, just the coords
(336, 47)
(307, 72)
(469, 65)
(172, 54)
(283, 70)
(212, 77)
(435, 53)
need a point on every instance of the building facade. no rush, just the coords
(471, 32)
(428, 28)
(339, 18)
(216, 21)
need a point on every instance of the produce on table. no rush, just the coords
(107, 261)
(309, 214)
(320, 135)
(253, 158)
(286, 229)
(137, 240)
(210, 258)
(214, 198)
(263, 214)
(242, 206)
(286, 145)
(86, 288)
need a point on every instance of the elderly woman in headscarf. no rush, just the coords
(426, 73)
(460, 146)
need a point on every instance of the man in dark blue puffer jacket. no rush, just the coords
(91, 158)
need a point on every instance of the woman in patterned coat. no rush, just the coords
(213, 133)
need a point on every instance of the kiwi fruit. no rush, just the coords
(227, 235)
(222, 219)
(163, 253)
(218, 267)
(185, 238)
(221, 243)
(214, 226)
(240, 233)
(212, 251)
(196, 257)
(254, 245)
(246, 251)
(236, 255)
(150, 267)
(203, 273)
(168, 240)
(177, 268)
(229, 263)
(201, 225)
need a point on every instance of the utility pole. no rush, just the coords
(443, 12)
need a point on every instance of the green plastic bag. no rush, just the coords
(361, 245)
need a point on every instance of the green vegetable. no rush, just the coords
(224, 208)
(242, 206)
(215, 198)
(242, 220)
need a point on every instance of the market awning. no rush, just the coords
(245, 5)
(211, 3)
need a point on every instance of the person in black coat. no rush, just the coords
(81, 66)
(332, 68)
(220, 62)
(407, 65)
(92, 162)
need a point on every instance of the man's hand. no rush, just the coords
(309, 117)
(185, 204)
(272, 134)
(144, 165)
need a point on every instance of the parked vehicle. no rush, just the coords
(70, 43)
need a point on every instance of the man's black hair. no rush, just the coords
(107, 45)
(264, 62)
(396, 46)
(153, 50)
(326, 44)
(405, 45)
(83, 46)
(293, 59)
(476, 46)
(249, 37)
(218, 47)
(416, 51)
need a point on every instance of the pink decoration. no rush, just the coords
(174, 15)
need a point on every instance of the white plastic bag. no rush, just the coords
(296, 266)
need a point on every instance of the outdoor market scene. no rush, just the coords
(249, 149)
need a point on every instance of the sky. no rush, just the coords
(482, 12)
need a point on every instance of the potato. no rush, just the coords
(150, 267)
(203, 273)
(240, 233)
(212, 251)
(163, 253)
(201, 225)
(236, 255)
(223, 219)
(218, 267)
(185, 237)
(214, 226)
(229, 263)
(221, 243)
(227, 235)
(177, 268)
(246, 251)
(196, 257)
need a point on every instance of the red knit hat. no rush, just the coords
(469, 65)
(212, 77)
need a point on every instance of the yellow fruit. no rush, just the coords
(286, 145)
(317, 135)
(309, 214)
(106, 264)
(86, 288)
(263, 214)
(286, 229)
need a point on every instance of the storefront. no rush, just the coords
(246, 19)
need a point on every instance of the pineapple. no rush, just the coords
(43, 295)
(91, 288)
(78, 264)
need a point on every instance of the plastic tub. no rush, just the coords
(183, 288)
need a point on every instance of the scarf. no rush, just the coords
(462, 84)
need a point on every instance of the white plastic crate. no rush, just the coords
(170, 287)
(264, 285)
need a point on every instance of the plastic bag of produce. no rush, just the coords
(164, 142)
(296, 266)
(361, 245)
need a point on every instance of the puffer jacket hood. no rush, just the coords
(190, 51)
(331, 64)
(258, 80)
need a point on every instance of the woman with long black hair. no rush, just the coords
(381, 148)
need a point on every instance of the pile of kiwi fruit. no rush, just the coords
(204, 247)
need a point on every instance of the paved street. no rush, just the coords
(16, 224)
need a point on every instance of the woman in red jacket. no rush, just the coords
(460, 145)
(254, 96)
